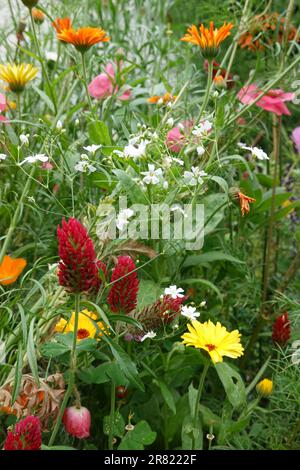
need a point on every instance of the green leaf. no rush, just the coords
(98, 133)
(88, 344)
(44, 447)
(232, 383)
(191, 435)
(210, 257)
(18, 375)
(54, 349)
(148, 293)
(280, 196)
(139, 437)
(23, 324)
(102, 374)
(132, 189)
(221, 182)
(44, 98)
(209, 284)
(166, 394)
(125, 363)
(118, 425)
(31, 352)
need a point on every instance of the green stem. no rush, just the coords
(15, 219)
(85, 81)
(42, 62)
(208, 88)
(72, 371)
(112, 415)
(198, 398)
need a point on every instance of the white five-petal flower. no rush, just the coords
(189, 312)
(3, 156)
(174, 291)
(152, 176)
(255, 151)
(193, 177)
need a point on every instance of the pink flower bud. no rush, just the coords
(77, 421)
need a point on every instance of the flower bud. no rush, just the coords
(264, 387)
(30, 3)
(77, 421)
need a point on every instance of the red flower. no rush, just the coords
(26, 435)
(77, 421)
(152, 317)
(281, 329)
(78, 268)
(122, 296)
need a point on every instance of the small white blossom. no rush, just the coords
(92, 149)
(203, 304)
(123, 217)
(84, 166)
(150, 335)
(2, 156)
(152, 176)
(170, 122)
(51, 55)
(174, 292)
(160, 101)
(189, 312)
(193, 177)
(181, 126)
(165, 184)
(59, 125)
(169, 161)
(178, 208)
(135, 149)
(24, 139)
(200, 150)
(39, 157)
(255, 151)
(204, 127)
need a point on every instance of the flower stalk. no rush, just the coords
(72, 372)
(198, 398)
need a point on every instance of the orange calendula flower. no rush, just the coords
(165, 99)
(62, 23)
(208, 40)
(244, 203)
(10, 269)
(38, 15)
(83, 38)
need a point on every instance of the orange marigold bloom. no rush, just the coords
(244, 203)
(62, 23)
(83, 38)
(38, 15)
(10, 269)
(208, 40)
(165, 99)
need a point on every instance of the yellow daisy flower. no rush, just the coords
(214, 339)
(17, 76)
(86, 325)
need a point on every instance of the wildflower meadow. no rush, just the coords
(149, 225)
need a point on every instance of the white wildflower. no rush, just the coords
(51, 55)
(3, 156)
(24, 139)
(174, 292)
(123, 217)
(152, 176)
(200, 150)
(193, 177)
(92, 149)
(189, 312)
(150, 335)
(255, 151)
(39, 157)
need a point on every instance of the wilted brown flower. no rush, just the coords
(41, 400)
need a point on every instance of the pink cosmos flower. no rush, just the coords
(104, 85)
(177, 136)
(3, 106)
(77, 421)
(296, 138)
(272, 101)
